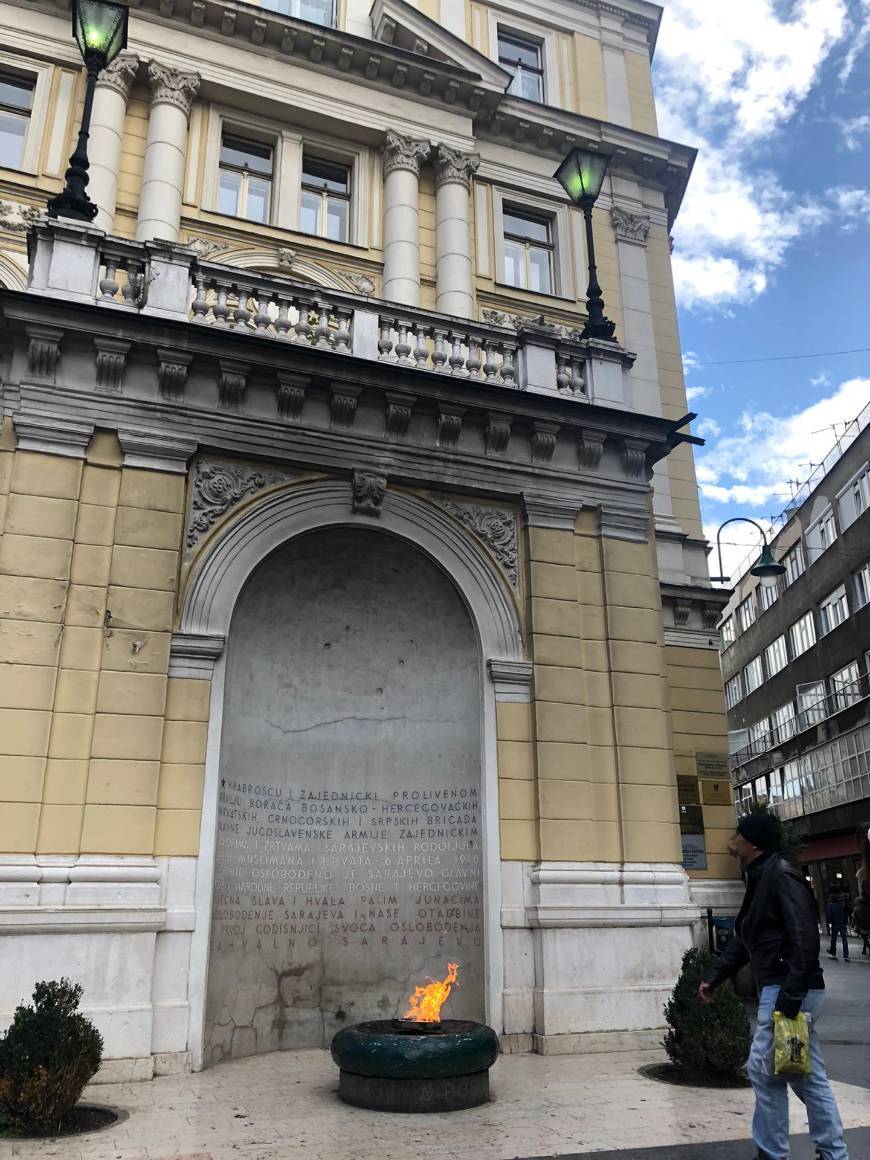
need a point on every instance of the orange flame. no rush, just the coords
(426, 1002)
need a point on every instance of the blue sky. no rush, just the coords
(772, 246)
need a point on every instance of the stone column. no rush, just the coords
(172, 95)
(107, 132)
(453, 173)
(402, 157)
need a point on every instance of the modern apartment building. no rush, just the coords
(796, 666)
(355, 610)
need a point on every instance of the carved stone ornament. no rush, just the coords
(291, 394)
(398, 414)
(120, 74)
(590, 446)
(286, 257)
(543, 440)
(682, 608)
(368, 490)
(634, 456)
(453, 166)
(449, 425)
(18, 218)
(217, 487)
(404, 153)
(496, 527)
(172, 368)
(171, 87)
(205, 248)
(362, 283)
(342, 405)
(629, 227)
(233, 384)
(498, 433)
(43, 351)
(711, 614)
(111, 359)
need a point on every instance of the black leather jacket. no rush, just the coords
(777, 930)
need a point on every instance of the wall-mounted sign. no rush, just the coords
(712, 764)
(687, 791)
(691, 820)
(716, 793)
(694, 852)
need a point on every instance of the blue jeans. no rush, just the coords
(770, 1122)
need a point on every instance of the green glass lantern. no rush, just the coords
(581, 175)
(100, 29)
(767, 570)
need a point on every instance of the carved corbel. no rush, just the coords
(43, 351)
(342, 405)
(711, 614)
(172, 368)
(111, 359)
(634, 456)
(368, 491)
(682, 608)
(291, 394)
(233, 384)
(590, 447)
(543, 441)
(398, 414)
(449, 425)
(498, 433)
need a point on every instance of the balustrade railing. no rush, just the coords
(123, 274)
(468, 351)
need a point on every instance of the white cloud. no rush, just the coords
(859, 38)
(690, 361)
(693, 393)
(854, 129)
(709, 429)
(820, 380)
(737, 220)
(754, 466)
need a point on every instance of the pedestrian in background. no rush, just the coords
(861, 909)
(838, 924)
(777, 931)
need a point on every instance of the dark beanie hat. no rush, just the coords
(762, 830)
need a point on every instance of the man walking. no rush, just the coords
(777, 931)
(838, 921)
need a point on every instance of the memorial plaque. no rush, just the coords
(694, 852)
(349, 851)
(712, 764)
(716, 793)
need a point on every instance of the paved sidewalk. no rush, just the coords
(284, 1107)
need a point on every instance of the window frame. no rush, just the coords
(784, 726)
(768, 595)
(806, 618)
(821, 534)
(523, 29)
(771, 671)
(862, 579)
(752, 667)
(38, 124)
(325, 195)
(506, 200)
(246, 175)
(748, 603)
(527, 244)
(834, 599)
(527, 40)
(837, 686)
(805, 719)
(734, 690)
(854, 499)
(795, 552)
(727, 634)
(294, 4)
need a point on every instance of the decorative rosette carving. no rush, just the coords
(217, 487)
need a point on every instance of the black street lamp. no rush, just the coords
(581, 175)
(767, 570)
(100, 29)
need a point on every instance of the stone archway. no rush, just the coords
(213, 590)
(348, 864)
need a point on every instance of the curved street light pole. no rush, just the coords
(767, 569)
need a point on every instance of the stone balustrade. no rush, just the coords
(167, 280)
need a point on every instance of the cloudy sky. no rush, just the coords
(772, 246)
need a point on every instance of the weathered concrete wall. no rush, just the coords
(349, 852)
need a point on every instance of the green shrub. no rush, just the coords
(46, 1058)
(705, 1040)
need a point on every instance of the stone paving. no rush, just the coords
(284, 1107)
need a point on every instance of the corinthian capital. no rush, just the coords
(170, 87)
(404, 153)
(629, 227)
(120, 74)
(453, 166)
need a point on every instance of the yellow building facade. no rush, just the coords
(326, 333)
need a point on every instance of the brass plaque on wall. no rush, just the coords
(687, 791)
(716, 793)
(712, 764)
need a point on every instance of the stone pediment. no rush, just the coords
(396, 23)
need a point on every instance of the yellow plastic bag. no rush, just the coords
(791, 1045)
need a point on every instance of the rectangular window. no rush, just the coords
(768, 595)
(758, 735)
(16, 101)
(728, 633)
(854, 499)
(753, 675)
(802, 635)
(523, 58)
(844, 685)
(733, 691)
(776, 656)
(862, 586)
(314, 11)
(746, 613)
(784, 724)
(833, 610)
(794, 563)
(811, 703)
(821, 535)
(245, 178)
(325, 202)
(528, 251)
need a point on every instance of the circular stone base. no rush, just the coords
(447, 1094)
